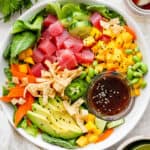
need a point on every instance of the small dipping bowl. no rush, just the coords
(136, 9)
(109, 96)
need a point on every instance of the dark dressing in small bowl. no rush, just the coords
(109, 96)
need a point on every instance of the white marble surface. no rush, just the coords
(10, 140)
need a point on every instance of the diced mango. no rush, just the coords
(90, 126)
(29, 60)
(28, 52)
(90, 117)
(82, 141)
(95, 33)
(92, 138)
(89, 41)
(23, 68)
(137, 92)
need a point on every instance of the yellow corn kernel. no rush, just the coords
(137, 92)
(127, 37)
(139, 54)
(89, 41)
(132, 93)
(29, 60)
(90, 117)
(109, 33)
(90, 126)
(92, 138)
(95, 33)
(130, 60)
(28, 52)
(100, 57)
(82, 141)
(22, 56)
(23, 68)
(111, 66)
(100, 67)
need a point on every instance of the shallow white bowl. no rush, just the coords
(131, 119)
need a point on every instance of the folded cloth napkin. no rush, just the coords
(9, 138)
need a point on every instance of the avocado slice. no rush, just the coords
(60, 119)
(65, 124)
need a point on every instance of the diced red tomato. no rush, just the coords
(85, 57)
(55, 29)
(61, 38)
(95, 20)
(73, 44)
(38, 56)
(105, 38)
(67, 59)
(36, 69)
(47, 47)
(49, 20)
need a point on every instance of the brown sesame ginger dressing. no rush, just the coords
(110, 95)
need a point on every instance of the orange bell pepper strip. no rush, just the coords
(22, 109)
(105, 135)
(131, 31)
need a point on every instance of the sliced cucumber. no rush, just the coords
(100, 124)
(80, 28)
(116, 123)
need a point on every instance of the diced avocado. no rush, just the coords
(80, 28)
(115, 123)
(47, 126)
(100, 124)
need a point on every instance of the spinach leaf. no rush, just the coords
(55, 8)
(5, 91)
(106, 12)
(6, 53)
(8, 74)
(21, 42)
(69, 144)
(21, 25)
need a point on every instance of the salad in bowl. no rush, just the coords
(73, 72)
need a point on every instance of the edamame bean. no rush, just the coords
(143, 84)
(137, 49)
(136, 66)
(133, 81)
(128, 51)
(95, 63)
(137, 74)
(129, 73)
(88, 79)
(91, 72)
(136, 59)
(144, 68)
(83, 75)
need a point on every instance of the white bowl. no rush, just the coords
(131, 119)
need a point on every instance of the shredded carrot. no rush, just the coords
(16, 92)
(22, 109)
(131, 31)
(5, 99)
(105, 135)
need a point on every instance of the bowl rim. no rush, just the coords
(36, 8)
